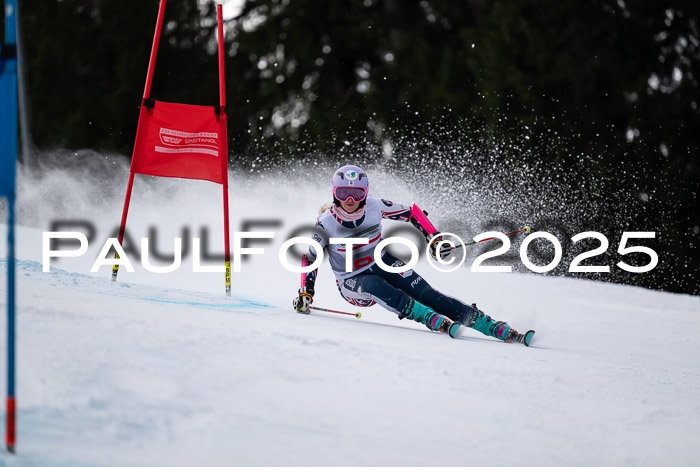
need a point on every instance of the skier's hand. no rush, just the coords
(302, 302)
(445, 249)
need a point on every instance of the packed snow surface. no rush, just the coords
(165, 370)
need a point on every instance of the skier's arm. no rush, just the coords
(419, 219)
(306, 292)
(308, 279)
(394, 211)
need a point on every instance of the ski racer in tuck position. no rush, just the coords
(356, 214)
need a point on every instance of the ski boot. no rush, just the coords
(498, 329)
(416, 311)
(487, 325)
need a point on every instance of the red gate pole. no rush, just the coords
(146, 94)
(154, 50)
(223, 146)
(122, 225)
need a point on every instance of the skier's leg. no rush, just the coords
(368, 286)
(418, 288)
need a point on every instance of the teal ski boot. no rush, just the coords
(416, 311)
(490, 327)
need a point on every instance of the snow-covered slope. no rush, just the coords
(165, 370)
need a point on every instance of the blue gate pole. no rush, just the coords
(11, 418)
(8, 160)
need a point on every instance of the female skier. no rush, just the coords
(355, 214)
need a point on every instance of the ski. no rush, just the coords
(450, 328)
(524, 339)
(453, 330)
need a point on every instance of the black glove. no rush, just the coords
(302, 302)
(445, 248)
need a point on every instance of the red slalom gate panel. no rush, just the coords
(179, 140)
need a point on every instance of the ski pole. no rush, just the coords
(526, 229)
(357, 315)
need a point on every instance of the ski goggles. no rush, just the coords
(344, 193)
